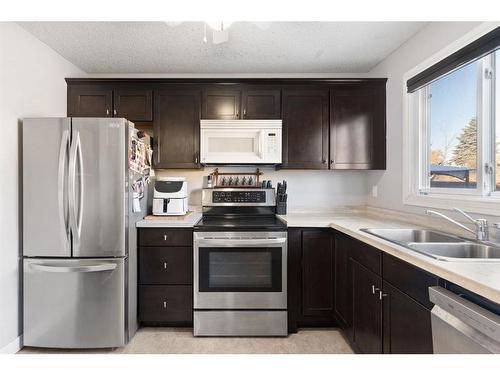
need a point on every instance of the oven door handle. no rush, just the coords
(240, 243)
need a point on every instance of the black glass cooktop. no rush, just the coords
(240, 223)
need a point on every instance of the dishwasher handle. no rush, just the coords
(469, 313)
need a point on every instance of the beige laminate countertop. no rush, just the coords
(482, 278)
(183, 221)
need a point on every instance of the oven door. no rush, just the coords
(240, 270)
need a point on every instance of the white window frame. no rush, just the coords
(415, 166)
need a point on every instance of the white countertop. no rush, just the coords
(184, 221)
(479, 277)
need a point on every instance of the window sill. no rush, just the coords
(475, 204)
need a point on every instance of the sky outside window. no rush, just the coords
(453, 132)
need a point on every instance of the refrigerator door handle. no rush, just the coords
(80, 168)
(75, 220)
(63, 152)
(66, 269)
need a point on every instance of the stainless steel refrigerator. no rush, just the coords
(79, 236)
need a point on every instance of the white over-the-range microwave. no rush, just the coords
(240, 142)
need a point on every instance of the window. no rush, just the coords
(452, 146)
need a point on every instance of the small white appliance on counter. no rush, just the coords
(240, 141)
(170, 196)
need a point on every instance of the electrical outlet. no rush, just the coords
(374, 191)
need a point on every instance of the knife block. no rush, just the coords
(281, 208)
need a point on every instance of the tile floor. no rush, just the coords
(181, 341)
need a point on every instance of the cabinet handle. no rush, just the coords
(107, 112)
(196, 160)
(164, 304)
(165, 265)
(374, 289)
(114, 112)
(165, 237)
(245, 112)
(237, 114)
(332, 161)
(323, 161)
(381, 295)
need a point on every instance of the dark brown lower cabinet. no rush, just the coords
(343, 283)
(310, 290)
(407, 324)
(165, 276)
(317, 277)
(367, 309)
(166, 303)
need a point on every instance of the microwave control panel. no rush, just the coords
(238, 197)
(272, 145)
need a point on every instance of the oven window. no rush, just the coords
(240, 269)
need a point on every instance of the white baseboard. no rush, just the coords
(12, 347)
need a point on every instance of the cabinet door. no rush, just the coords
(221, 104)
(177, 129)
(317, 276)
(367, 309)
(261, 103)
(407, 324)
(357, 134)
(90, 101)
(305, 129)
(134, 105)
(343, 283)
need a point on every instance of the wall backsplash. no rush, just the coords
(311, 190)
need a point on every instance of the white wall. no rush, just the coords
(421, 46)
(307, 190)
(31, 84)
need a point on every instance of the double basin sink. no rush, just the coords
(438, 245)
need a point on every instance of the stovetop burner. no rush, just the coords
(240, 223)
(239, 210)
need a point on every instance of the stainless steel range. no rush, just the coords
(240, 265)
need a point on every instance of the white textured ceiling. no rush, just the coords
(276, 47)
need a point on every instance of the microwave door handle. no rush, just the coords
(61, 174)
(240, 243)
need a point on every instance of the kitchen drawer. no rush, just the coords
(409, 279)
(165, 304)
(166, 265)
(366, 255)
(165, 237)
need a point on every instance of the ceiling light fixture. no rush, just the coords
(220, 32)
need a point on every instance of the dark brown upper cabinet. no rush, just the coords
(357, 126)
(221, 104)
(261, 103)
(305, 128)
(90, 101)
(134, 105)
(177, 128)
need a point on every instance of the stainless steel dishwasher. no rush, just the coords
(461, 326)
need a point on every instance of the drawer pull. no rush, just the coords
(164, 304)
(165, 265)
(374, 289)
(165, 237)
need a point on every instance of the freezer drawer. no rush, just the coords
(74, 303)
